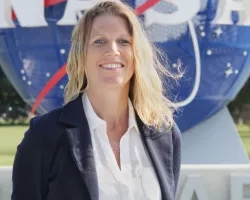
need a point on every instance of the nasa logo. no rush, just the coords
(209, 41)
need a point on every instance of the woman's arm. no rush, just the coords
(29, 175)
(176, 154)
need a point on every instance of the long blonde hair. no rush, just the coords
(146, 87)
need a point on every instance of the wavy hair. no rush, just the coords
(146, 86)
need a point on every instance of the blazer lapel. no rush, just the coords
(78, 134)
(158, 144)
(160, 148)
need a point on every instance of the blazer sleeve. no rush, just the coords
(176, 154)
(29, 175)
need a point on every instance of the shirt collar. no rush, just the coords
(95, 122)
(131, 120)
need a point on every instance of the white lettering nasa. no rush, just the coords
(29, 13)
(225, 7)
(194, 185)
(34, 17)
(74, 8)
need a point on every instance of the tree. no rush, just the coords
(240, 106)
(12, 108)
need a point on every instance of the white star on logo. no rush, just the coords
(218, 31)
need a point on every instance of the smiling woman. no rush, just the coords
(101, 26)
(115, 136)
(109, 60)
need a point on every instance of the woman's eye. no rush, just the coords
(99, 41)
(122, 41)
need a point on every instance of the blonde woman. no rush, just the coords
(115, 137)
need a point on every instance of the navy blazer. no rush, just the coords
(55, 160)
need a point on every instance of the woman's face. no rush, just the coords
(110, 55)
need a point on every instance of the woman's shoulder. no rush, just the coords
(176, 131)
(176, 134)
(51, 118)
(39, 143)
(44, 129)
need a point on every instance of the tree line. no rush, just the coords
(13, 110)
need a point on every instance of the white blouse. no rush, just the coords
(136, 179)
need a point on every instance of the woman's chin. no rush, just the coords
(114, 84)
(113, 81)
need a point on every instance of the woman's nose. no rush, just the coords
(113, 49)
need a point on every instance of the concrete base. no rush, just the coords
(214, 141)
(197, 182)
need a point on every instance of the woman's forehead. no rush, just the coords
(109, 23)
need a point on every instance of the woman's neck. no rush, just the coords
(111, 106)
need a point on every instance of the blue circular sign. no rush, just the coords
(211, 46)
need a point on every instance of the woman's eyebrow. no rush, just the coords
(96, 35)
(125, 35)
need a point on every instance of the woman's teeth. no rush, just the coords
(111, 66)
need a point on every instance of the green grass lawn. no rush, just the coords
(10, 137)
(244, 131)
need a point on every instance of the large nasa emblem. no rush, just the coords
(209, 39)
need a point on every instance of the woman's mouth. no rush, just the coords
(112, 66)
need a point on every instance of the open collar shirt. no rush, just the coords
(136, 178)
